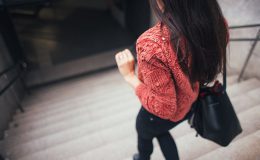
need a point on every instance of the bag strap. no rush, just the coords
(225, 74)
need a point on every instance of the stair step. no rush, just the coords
(81, 138)
(196, 146)
(101, 109)
(53, 125)
(232, 80)
(230, 91)
(240, 88)
(50, 139)
(82, 102)
(63, 151)
(52, 106)
(68, 106)
(254, 94)
(247, 118)
(245, 148)
(74, 85)
(64, 126)
(53, 95)
(74, 97)
(240, 103)
(249, 124)
(76, 106)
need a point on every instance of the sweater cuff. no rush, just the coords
(139, 89)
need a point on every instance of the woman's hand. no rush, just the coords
(125, 62)
(126, 65)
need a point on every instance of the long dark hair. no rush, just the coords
(205, 33)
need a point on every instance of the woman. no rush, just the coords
(185, 49)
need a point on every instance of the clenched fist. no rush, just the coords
(125, 62)
(126, 65)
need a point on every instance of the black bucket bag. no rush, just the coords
(213, 116)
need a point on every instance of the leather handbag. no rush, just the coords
(213, 116)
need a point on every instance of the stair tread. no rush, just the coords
(240, 88)
(53, 124)
(70, 96)
(129, 139)
(72, 103)
(40, 99)
(194, 149)
(69, 132)
(89, 115)
(74, 86)
(81, 105)
(250, 145)
(51, 111)
(239, 102)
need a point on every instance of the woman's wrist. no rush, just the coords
(133, 80)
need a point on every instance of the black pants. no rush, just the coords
(149, 126)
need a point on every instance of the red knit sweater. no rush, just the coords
(164, 90)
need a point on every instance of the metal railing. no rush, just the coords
(251, 51)
(18, 67)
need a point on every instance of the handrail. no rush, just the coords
(244, 26)
(244, 39)
(255, 41)
(12, 81)
(249, 56)
(10, 84)
(7, 69)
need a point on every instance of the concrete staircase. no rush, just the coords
(93, 118)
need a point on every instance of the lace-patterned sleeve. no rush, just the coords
(157, 92)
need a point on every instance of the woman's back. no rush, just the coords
(158, 68)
